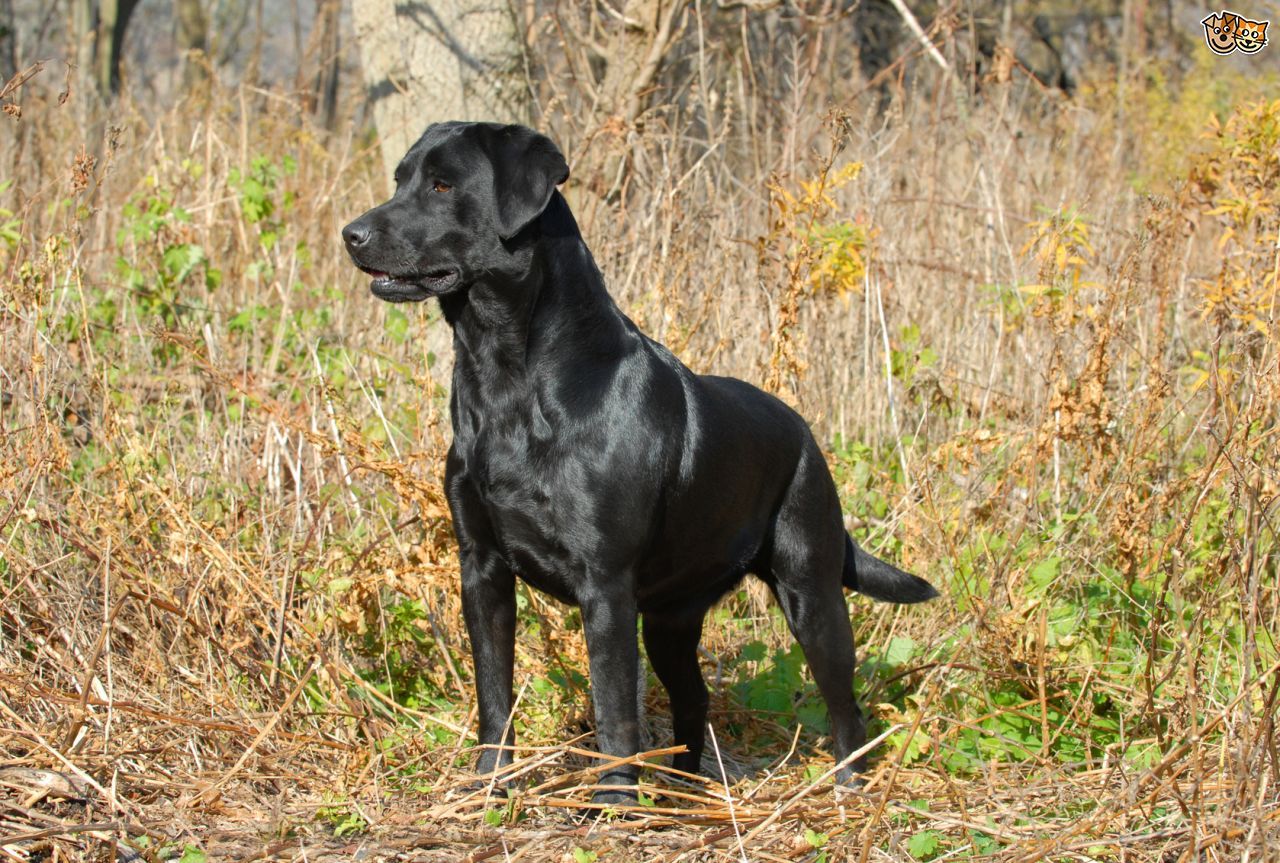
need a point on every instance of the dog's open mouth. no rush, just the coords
(410, 288)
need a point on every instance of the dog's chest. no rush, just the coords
(524, 473)
(509, 446)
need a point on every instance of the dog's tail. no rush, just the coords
(871, 576)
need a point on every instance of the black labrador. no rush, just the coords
(588, 461)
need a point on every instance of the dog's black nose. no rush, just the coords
(357, 234)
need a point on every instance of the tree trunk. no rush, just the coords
(229, 21)
(113, 21)
(323, 61)
(84, 23)
(636, 52)
(431, 60)
(99, 32)
(193, 42)
(8, 51)
(635, 56)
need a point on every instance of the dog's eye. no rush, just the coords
(441, 186)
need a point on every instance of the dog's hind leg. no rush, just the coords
(805, 565)
(672, 646)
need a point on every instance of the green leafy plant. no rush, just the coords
(343, 820)
(10, 227)
(1062, 247)
(160, 268)
(262, 201)
(818, 842)
(192, 854)
(779, 685)
(925, 845)
(911, 356)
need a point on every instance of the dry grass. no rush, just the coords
(228, 613)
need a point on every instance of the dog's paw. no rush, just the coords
(612, 804)
(849, 779)
(615, 797)
(482, 787)
(854, 784)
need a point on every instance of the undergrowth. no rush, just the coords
(225, 553)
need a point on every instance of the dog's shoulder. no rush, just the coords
(736, 395)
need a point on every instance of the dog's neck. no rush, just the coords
(556, 308)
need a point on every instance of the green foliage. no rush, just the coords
(780, 687)
(399, 651)
(1170, 111)
(262, 201)
(343, 820)
(192, 854)
(10, 227)
(984, 844)
(1238, 183)
(839, 252)
(397, 326)
(863, 476)
(163, 272)
(925, 845)
(911, 357)
(1061, 245)
(353, 823)
(510, 813)
(833, 251)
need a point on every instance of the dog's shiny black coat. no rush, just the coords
(588, 461)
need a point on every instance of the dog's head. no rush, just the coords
(1219, 32)
(464, 193)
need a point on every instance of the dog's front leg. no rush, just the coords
(489, 607)
(609, 622)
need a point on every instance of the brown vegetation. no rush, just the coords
(1040, 334)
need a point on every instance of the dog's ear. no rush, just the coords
(527, 167)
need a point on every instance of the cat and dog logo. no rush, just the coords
(1227, 32)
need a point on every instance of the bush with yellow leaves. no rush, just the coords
(1238, 183)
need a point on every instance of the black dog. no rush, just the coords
(588, 461)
